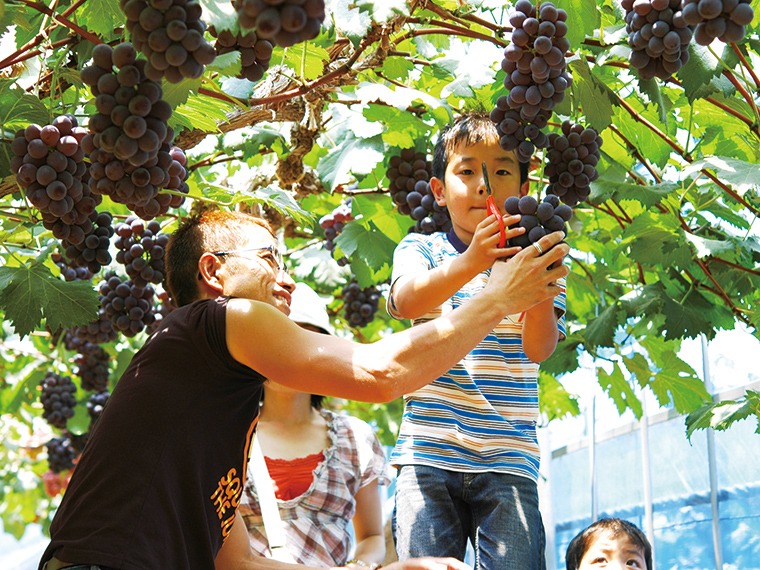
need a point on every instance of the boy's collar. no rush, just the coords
(454, 240)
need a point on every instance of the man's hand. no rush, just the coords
(528, 278)
(428, 564)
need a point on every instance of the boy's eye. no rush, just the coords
(503, 172)
(633, 563)
(466, 172)
(599, 560)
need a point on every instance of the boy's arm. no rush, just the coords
(540, 334)
(414, 295)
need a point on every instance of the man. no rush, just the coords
(159, 482)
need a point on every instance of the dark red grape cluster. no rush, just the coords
(169, 33)
(178, 174)
(538, 219)
(92, 253)
(722, 19)
(360, 304)
(255, 52)
(162, 306)
(69, 271)
(85, 339)
(409, 173)
(141, 250)
(283, 22)
(658, 35)
(333, 223)
(57, 398)
(129, 307)
(92, 368)
(537, 76)
(61, 454)
(95, 405)
(48, 163)
(571, 162)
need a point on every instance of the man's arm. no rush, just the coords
(368, 524)
(418, 294)
(264, 339)
(540, 334)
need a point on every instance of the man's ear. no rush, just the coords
(524, 188)
(436, 187)
(208, 274)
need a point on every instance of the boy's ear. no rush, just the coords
(436, 187)
(524, 188)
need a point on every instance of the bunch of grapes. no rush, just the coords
(360, 304)
(572, 159)
(538, 219)
(658, 36)
(93, 368)
(48, 163)
(283, 22)
(130, 124)
(161, 308)
(128, 307)
(722, 19)
(409, 173)
(141, 250)
(177, 175)
(333, 223)
(69, 271)
(61, 454)
(170, 34)
(95, 405)
(536, 76)
(86, 339)
(92, 253)
(255, 52)
(57, 398)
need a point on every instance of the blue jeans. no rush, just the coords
(437, 511)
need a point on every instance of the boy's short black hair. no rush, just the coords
(470, 128)
(580, 544)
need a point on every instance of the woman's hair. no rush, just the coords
(470, 128)
(213, 230)
(612, 527)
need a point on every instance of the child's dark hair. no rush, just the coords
(470, 128)
(614, 527)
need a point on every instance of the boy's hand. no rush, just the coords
(484, 248)
(524, 280)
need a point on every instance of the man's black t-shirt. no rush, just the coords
(162, 473)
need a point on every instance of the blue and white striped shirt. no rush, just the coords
(481, 415)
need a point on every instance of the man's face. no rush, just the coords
(613, 553)
(464, 191)
(254, 273)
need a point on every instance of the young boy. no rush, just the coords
(609, 544)
(467, 451)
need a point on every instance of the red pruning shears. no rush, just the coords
(492, 209)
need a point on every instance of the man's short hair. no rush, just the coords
(608, 526)
(212, 230)
(470, 128)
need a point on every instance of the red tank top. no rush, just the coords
(292, 478)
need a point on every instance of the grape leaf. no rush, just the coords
(741, 175)
(384, 10)
(565, 356)
(722, 415)
(200, 112)
(101, 16)
(618, 388)
(582, 17)
(31, 292)
(18, 108)
(177, 94)
(678, 379)
(307, 60)
(353, 22)
(698, 72)
(227, 64)
(351, 154)
(600, 331)
(221, 15)
(554, 400)
(368, 241)
(282, 201)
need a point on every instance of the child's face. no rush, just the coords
(464, 191)
(613, 553)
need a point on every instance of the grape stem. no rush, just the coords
(746, 65)
(729, 74)
(62, 20)
(448, 30)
